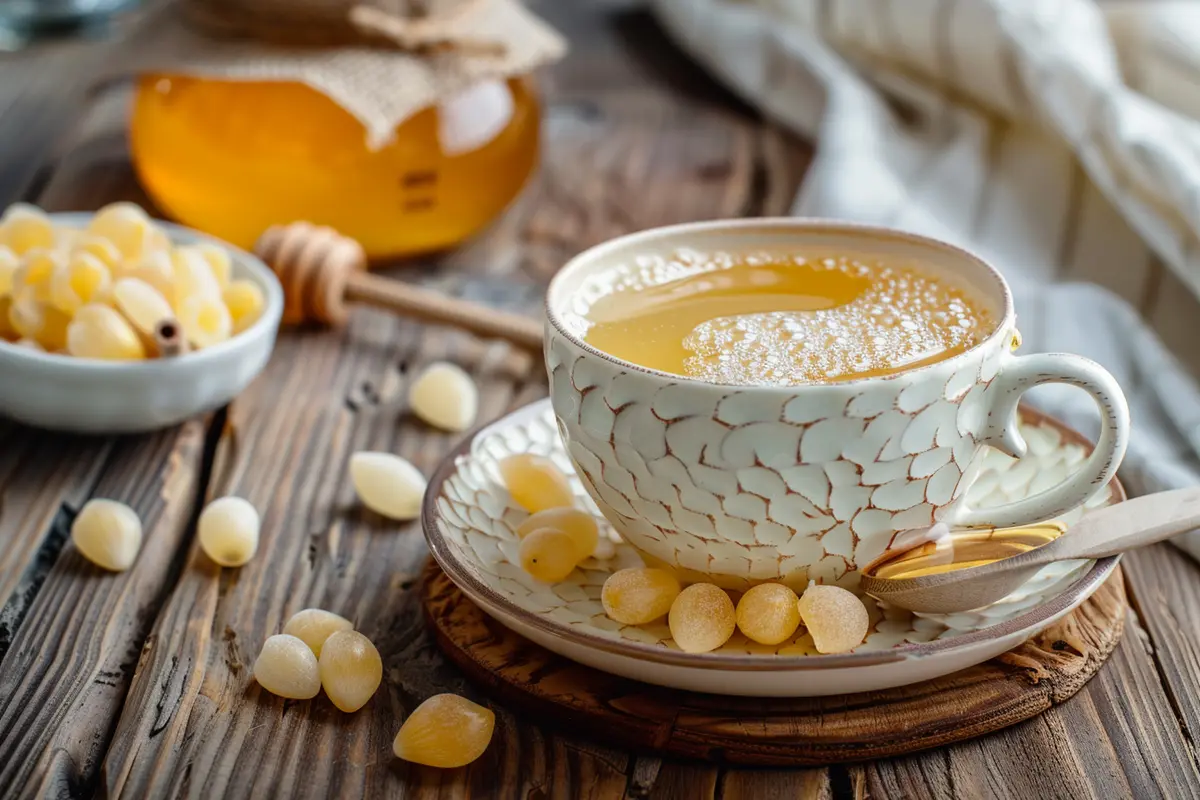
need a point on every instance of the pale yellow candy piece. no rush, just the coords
(768, 614)
(36, 272)
(287, 667)
(39, 321)
(548, 555)
(579, 525)
(639, 595)
(444, 396)
(82, 280)
(8, 268)
(836, 618)
(30, 344)
(387, 484)
(245, 302)
(97, 247)
(141, 303)
(218, 261)
(205, 321)
(351, 669)
(535, 483)
(702, 618)
(24, 227)
(107, 533)
(228, 531)
(128, 227)
(98, 331)
(445, 731)
(193, 277)
(314, 625)
(153, 268)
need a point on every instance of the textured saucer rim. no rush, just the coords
(266, 324)
(483, 595)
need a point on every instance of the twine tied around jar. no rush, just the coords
(419, 27)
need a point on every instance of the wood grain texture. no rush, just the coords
(635, 135)
(1042, 673)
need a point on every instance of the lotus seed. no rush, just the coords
(701, 618)
(768, 613)
(836, 618)
(314, 625)
(228, 531)
(107, 533)
(639, 595)
(444, 396)
(445, 731)
(387, 484)
(286, 667)
(351, 669)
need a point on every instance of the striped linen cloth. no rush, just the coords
(1042, 134)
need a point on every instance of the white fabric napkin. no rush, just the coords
(1041, 134)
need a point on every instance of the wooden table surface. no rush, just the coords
(139, 684)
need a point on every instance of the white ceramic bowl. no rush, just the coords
(93, 396)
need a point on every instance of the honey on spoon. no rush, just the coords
(970, 569)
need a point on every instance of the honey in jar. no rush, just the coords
(234, 157)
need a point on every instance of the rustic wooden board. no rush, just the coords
(1023, 683)
(635, 135)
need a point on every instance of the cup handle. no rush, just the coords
(1019, 375)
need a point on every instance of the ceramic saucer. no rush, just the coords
(469, 521)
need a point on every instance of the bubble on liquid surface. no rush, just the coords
(836, 618)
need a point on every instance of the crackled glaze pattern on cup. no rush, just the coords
(476, 523)
(740, 485)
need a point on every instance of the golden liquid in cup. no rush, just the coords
(967, 549)
(783, 320)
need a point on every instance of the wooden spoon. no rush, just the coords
(1101, 533)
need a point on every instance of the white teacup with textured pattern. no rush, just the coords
(745, 484)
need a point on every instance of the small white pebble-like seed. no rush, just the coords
(314, 625)
(107, 533)
(288, 668)
(387, 484)
(351, 669)
(445, 396)
(228, 531)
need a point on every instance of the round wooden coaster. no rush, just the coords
(1020, 684)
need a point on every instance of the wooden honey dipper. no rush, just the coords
(322, 271)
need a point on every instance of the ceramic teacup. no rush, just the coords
(745, 484)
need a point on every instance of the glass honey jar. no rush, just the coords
(233, 157)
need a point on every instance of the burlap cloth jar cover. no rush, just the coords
(381, 60)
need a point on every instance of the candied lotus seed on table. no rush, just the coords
(639, 595)
(24, 227)
(82, 280)
(107, 533)
(445, 731)
(228, 531)
(768, 613)
(287, 667)
(141, 303)
(702, 618)
(579, 525)
(128, 227)
(351, 669)
(245, 302)
(205, 321)
(314, 625)
(98, 331)
(445, 396)
(535, 483)
(836, 618)
(548, 555)
(387, 484)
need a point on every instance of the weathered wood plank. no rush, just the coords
(63, 680)
(797, 784)
(1165, 592)
(1118, 737)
